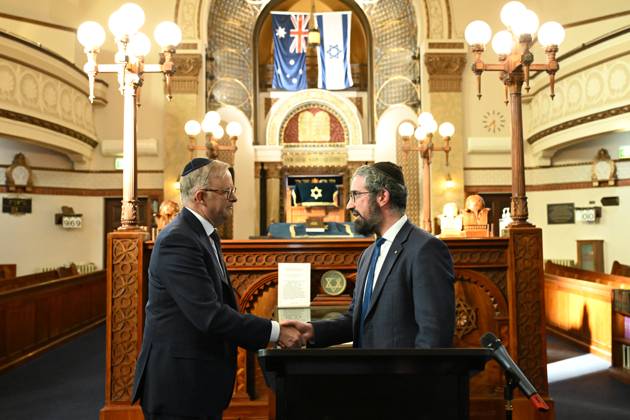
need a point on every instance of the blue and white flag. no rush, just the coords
(334, 72)
(290, 33)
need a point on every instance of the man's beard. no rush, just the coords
(367, 226)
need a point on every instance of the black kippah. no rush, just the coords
(391, 170)
(195, 164)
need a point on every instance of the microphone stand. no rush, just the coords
(508, 394)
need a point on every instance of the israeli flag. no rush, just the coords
(333, 60)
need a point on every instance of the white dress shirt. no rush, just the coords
(207, 226)
(389, 237)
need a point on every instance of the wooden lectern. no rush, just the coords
(371, 384)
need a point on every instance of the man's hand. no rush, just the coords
(305, 328)
(290, 337)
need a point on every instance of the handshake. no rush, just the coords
(294, 334)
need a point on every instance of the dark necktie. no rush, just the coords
(217, 245)
(369, 283)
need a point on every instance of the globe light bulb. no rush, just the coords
(477, 32)
(218, 132)
(116, 25)
(234, 129)
(446, 129)
(431, 126)
(405, 129)
(420, 133)
(211, 119)
(526, 24)
(511, 12)
(502, 43)
(132, 17)
(139, 45)
(91, 35)
(424, 118)
(167, 34)
(551, 33)
(192, 128)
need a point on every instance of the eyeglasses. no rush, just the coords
(355, 194)
(230, 193)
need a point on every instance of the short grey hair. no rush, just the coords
(198, 179)
(377, 180)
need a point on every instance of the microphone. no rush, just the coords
(501, 355)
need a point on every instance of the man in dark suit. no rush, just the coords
(187, 365)
(403, 297)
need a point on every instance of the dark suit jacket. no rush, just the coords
(413, 303)
(187, 363)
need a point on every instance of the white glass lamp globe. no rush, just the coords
(91, 35)
(511, 12)
(502, 43)
(477, 32)
(424, 118)
(446, 129)
(167, 34)
(218, 132)
(526, 24)
(139, 45)
(192, 128)
(211, 119)
(431, 126)
(132, 17)
(420, 133)
(550, 33)
(234, 129)
(116, 25)
(405, 129)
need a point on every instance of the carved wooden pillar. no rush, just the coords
(527, 344)
(410, 167)
(274, 170)
(446, 104)
(125, 321)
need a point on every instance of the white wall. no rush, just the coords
(613, 227)
(33, 240)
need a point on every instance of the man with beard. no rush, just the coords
(187, 365)
(403, 296)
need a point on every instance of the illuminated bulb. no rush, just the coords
(132, 17)
(139, 45)
(192, 128)
(234, 129)
(405, 129)
(511, 12)
(211, 119)
(218, 132)
(420, 133)
(424, 118)
(431, 126)
(449, 184)
(446, 129)
(167, 34)
(526, 24)
(550, 33)
(91, 35)
(502, 43)
(477, 32)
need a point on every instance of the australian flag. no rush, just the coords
(290, 34)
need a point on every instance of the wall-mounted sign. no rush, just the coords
(16, 205)
(560, 213)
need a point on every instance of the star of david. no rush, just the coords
(333, 285)
(316, 193)
(333, 51)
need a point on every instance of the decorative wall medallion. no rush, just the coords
(465, 318)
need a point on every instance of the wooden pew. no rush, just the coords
(7, 271)
(620, 269)
(578, 305)
(40, 314)
(35, 278)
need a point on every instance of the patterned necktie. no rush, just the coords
(214, 236)
(369, 284)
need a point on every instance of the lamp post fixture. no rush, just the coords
(423, 135)
(130, 67)
(515, 63)
(211, 126)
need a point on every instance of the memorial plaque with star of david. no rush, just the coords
(333, 283)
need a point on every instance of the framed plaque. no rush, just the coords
(563, 213)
